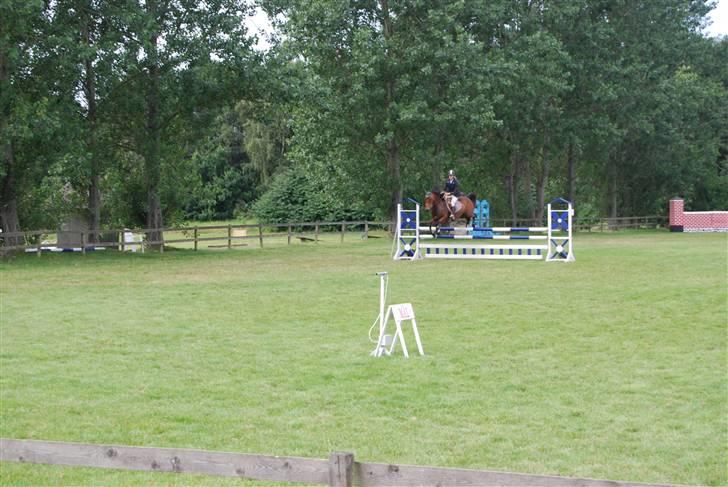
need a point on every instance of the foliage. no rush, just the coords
(139, 113)
(297, 196)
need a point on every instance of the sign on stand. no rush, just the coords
(387, 343)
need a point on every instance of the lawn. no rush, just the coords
(610, 367)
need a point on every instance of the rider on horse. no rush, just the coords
(452, 192)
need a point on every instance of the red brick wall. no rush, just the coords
(696, 221)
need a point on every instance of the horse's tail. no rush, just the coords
(472, 197)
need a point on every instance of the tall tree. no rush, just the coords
(395, 87)
(29, 107)
(182, 57)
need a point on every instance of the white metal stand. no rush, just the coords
(401, 313)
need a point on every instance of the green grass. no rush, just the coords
(611, 367)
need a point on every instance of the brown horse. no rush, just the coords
(435, 202)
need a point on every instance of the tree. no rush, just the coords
(181, 59)
(390, 88)
(29, 125)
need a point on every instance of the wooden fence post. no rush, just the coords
(317, 232)
(195, 238)
(83, 243)
(341, 469)
(40, 242)
(289, 234)
(366, 230)
(230, 234)
(343, 230)
(260, 234)
(161, 243)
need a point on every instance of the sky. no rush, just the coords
(719, 16)
(260, 25)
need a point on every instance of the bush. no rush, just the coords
(294, 196)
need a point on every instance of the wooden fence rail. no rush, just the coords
(340, 470)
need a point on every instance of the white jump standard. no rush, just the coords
(414, 241)
(386, 343)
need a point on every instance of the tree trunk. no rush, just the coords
(436, 166)
(94, 191)
(394, 174)
(9, 202)
(153, 142)
(393, 156)
(543, 178)
(570, 179)
(512, 181)
(527, 184)
(612, 189)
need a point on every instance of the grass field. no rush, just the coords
(612, 367)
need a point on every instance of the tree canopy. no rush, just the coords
(142, 113)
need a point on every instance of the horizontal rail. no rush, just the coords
(484, 229)
(576, 221)
(340, 469)
(85, 239)
(484, 237)
(504, 247)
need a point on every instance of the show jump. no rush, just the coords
(554, 241)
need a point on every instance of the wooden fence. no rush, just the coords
(231, 235)
(236, 235)
(340, 470)
(585, 224)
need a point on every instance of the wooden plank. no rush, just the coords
(259, 467)
(281, 469)
(226, 246)
(341, 469)
(381, 474)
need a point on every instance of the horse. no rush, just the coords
(435, 202)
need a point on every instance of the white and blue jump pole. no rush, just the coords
(408, 233)
(561, 245)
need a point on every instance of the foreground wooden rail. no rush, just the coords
(340, 470)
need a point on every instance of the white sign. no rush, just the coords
(403, 312)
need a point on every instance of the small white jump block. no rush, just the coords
(386, 343)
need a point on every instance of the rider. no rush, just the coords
(452, 192)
